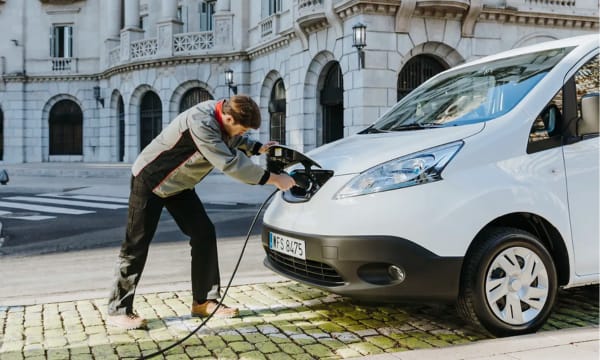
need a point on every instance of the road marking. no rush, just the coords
(89, 197)
(66, 202)
(42, 208)
(29, 217)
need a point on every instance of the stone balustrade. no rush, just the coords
(193, 43)
(145, 48)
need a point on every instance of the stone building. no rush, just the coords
(96, 80)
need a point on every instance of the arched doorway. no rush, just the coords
(192, 97)
(332, 102)
(277, 112)
(416, 71)
(121, 124)
(150, 118)
(66, 129)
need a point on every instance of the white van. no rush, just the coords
(480, 186)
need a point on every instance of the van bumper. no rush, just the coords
(371, 268)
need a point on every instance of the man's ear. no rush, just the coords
(228, 119)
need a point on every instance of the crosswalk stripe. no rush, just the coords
(89, 197)
(42, 208)
(31, 217)
(65, 202)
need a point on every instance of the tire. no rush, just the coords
(503, 298)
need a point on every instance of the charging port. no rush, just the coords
(308, 180)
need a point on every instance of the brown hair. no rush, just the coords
(243, 110)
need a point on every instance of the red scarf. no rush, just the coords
(218, 110)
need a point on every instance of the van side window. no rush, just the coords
(587, 81)
(548, 126)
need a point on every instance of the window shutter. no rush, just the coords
(69, 41)
(203, 17)
(51, 42)
(264, 10)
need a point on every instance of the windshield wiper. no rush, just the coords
(372, 130)
(416, 126)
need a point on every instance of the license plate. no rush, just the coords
(287, 245)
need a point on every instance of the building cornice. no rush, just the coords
(19, 78)
(540, 19)
(457, 10)
(125, 68)
(278, 42)
(174, 61)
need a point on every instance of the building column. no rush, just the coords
(223, 5)
(131, 32)
(168, 26)
(132, 14)
(223, 26)
(168, 9)
(111, 12)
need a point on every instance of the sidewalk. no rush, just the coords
(280, 319)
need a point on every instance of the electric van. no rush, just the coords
(479, 187)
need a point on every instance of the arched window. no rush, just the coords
(332, 101)
(121, 120)
(192, 97)
(416, 71)
(150, 118)
(66, 128)
(277, 112)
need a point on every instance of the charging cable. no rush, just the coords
(235, 269)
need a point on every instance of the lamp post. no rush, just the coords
(229, 82)
(359, 41)
(98, 95)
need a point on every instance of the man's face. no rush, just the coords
(232, 128)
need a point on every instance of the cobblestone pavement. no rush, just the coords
(283, 320)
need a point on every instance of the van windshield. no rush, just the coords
(469, 95)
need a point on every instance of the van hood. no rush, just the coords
(360, 152)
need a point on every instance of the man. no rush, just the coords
(208, 135)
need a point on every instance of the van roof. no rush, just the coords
(583, 40)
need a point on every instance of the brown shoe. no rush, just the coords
(127, 322)
(207, 307)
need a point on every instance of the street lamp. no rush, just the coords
(229, 81)
(359, 41)
(98, 95)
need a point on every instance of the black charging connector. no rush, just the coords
(280, 157)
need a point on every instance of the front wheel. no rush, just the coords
(509, 283)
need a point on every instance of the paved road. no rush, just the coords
(52, 222)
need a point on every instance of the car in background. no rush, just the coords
(479, 187)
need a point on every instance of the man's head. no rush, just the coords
(240, 113)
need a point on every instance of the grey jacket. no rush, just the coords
(190, 147)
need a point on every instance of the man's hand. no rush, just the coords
(283, 181)
(263, 149)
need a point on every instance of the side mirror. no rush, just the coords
(590, 113)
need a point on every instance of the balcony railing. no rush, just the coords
(269, 26)
(114, 56)
(144, 48)
(310, 12)
(190, 43)
(302, 4)
(56, 2)
(64, 65)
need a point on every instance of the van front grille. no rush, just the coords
(307, 270)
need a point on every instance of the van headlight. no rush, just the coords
(418, 168)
